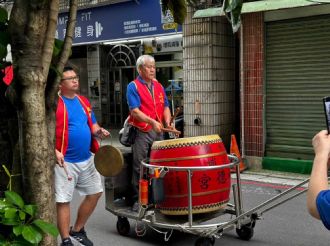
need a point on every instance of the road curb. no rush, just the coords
(290, 179)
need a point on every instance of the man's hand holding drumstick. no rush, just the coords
(61, 163)
(171, 125)
(172, 130)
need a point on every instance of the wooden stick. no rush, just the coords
(177, 111)
(171, 130)
(66, 171)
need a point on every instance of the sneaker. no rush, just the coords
(66, 242)
(81, 237)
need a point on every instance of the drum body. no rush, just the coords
(210, 188)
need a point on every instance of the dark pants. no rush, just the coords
(141, 150)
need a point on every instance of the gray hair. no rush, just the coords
(142, 60)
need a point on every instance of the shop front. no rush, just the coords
(284, 74)
(109, 39)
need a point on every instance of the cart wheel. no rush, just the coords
(246, 231)
(123, 226)
(204, 241)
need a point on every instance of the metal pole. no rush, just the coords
(172, 96)
(241, 85)
(190, 218)
(248, 213)
(283, 201)
(239, 189)
(282, 194)
(237, 209)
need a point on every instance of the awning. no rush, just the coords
(174, 86)
(259, 6)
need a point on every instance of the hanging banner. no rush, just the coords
(128, 20)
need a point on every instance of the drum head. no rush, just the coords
(109, 161)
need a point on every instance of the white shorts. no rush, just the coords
(85, 178)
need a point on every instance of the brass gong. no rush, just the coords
(109, 161)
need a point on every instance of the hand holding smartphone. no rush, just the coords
(326, 104)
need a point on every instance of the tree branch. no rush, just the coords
(17, 24)
(49, 37)
(65, 53)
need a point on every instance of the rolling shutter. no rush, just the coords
(297, 78)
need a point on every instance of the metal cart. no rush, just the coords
(208, 226)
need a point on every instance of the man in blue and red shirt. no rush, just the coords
(318, 194)
(76, 129)
(149, 113)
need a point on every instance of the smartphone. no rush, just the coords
(326, 104)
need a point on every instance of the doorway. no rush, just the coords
(118, 108)
(118, 71)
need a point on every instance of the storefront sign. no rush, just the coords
(119, 21)
(165, 44)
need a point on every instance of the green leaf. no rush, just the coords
(14, 198)
(6, 170)
(56, 51)
(46, 227)
(17, 230)
(164, 4)
(178, 9)
(3, 14)
(232, 9)
(11, 213)
(4, 204)
(58, 45)
(10, 222)
(232, 5)
(22, 215)
(21, 242)
(3, 242)
(31, 235)
(30, 209)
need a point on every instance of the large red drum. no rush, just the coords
(210, 188)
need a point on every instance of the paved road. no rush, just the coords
(287, 224)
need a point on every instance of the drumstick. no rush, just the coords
(177, 111)
(171, 130)
(66, 171)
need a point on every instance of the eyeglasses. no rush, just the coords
(76, 78)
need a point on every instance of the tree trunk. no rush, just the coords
(32, 26)
(37, 170)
